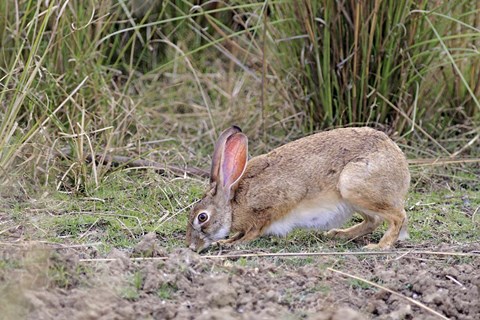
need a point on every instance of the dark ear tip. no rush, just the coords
(237, 128)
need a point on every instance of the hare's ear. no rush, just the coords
(234, 161)
(218, 152)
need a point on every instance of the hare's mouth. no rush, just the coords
(200, 244)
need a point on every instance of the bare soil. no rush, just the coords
(58, 284)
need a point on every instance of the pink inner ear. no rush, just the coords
(219, 150)
(234, 159)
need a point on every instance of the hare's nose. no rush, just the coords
(192, 247)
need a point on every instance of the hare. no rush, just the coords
(318, 181)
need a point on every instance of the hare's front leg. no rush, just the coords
(230, 240)
(240, 237)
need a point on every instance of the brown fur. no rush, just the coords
(359, 165)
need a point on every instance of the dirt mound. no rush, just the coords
(183, 285)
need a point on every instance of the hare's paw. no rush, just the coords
(223, 243)
(372, 246)
(337, 233)
(229, 242)
(375, 247)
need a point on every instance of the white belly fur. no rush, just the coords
(324, 213)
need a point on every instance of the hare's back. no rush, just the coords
(326, 153)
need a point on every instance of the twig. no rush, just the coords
(454, 280)
(336, 253)
(128, 162)
(303, 254)
(88, 230)
(8, 229)
(108, 214)
(131, 259)
(33, 245)
(440, 161)
(419, 304)
(166, 217)
(468, 145)
(402, 255)
(160, 168)
(474, 213)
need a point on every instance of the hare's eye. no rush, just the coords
(202, 217)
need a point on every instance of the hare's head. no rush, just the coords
(211, 218)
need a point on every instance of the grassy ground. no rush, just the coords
(443, 207)
(139, 213)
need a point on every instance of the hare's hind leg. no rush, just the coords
(364, 186)
(396, 219)
(369, 223)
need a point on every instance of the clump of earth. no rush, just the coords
(67, 284)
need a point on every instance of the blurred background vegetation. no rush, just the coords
(160, 79)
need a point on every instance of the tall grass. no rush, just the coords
(354, 59)
(81, 80)
(57, 89)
